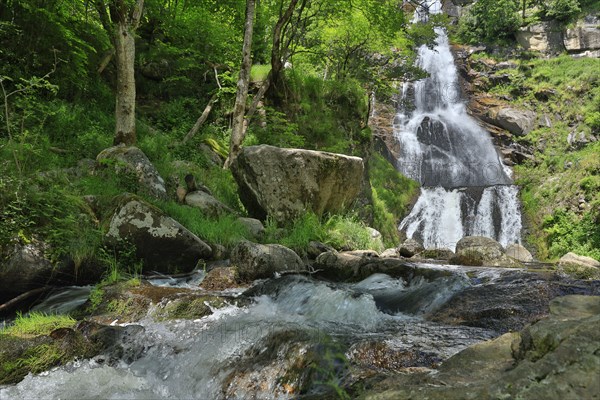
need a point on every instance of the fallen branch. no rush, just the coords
(201, 120)
(9, 305)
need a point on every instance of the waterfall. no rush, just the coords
(466, 189)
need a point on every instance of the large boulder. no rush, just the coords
(580, 267)
(518, 252)
(129, 161)
(163, 243)
(545, 37)
(517, 122)
(479, 250)
(255, 261)
(26, 267)
(584, 36)
(285, 183)
(572, 258)
(410, 247)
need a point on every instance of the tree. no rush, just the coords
(239, 110)
(121, 19)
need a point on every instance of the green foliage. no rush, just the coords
(35, 324)
(568, 232)
(225, 230)
(298, 234)
(561, 10)
(490, 21)
(346, 232)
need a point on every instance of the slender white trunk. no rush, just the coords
(239, 110)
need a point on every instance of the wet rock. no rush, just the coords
(345, 266)
(510, 301)
(283, 183)
(220, 278)
(255, 261)
(518, 252)
(207, 204)
(315, 249)
(254, 226)
(132, 162)
(382, 356)
(163, 243)
(409, 248)
(555, 358)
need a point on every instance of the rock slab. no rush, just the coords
(285, 183)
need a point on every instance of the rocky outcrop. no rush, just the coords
(131, 163)
(285, 183)
(163, 243)
(584, 36)
(255, 261)
(206, 203)
(518, 252)
(555, 358)
(545, 37)
(572, 258)
(579, 267)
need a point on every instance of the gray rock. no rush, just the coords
(409, 248)
(315, 249)
(572, 258)
(207, 204)
(584, 36)
(479, 250)
(132, 161)
(256, 261)
(436, 254)
(546, 37)
(284, 183)
(210, 154)
(518, 252)
(389, 253)
(517, 122)
(254, 226)
(163, 243)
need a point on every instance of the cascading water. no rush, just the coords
(467, 190)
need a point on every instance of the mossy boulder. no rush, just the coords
(284, 183)
(164, 244)
(130, 162)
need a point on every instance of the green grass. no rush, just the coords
(259, 72)
(35, 324)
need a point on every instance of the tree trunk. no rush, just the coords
(202, 119)
(239, 110)
(125, 107)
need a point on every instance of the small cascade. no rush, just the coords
(466, 189)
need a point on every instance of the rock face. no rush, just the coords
(555, 358)
(410, 247)
(163, 243)
(207, 204)
(255, 261)
(585, 36)
(546, 37)
(517, 122)
(518, 252)
(254, 226)
(284, 183)
(133, 162)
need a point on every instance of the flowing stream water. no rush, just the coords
(467, 190)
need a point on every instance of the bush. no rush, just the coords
(490, 21)
(562, 10)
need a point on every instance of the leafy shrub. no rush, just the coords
(561, 10)
(490, 21)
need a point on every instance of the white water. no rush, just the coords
(466, 187)
(192, 359)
